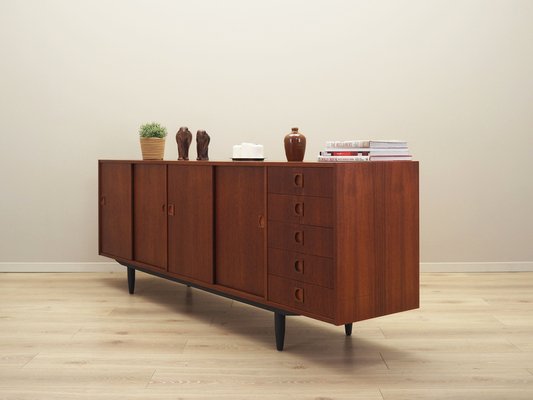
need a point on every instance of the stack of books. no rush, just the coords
(365, 150)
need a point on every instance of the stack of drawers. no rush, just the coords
(300, 239)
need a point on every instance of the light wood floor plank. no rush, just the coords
(455, 394)
(82, 336)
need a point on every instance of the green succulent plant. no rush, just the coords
(152, 130)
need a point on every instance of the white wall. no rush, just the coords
(454, 78)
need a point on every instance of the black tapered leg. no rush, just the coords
(279, 326)
(348, 329)
(131, 279)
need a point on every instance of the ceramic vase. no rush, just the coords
(295, 145)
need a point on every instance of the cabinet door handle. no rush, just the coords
(299, 237)
(299, 180)
(299, 266)
(171, 209)
(298, 294)
(102, 200)
(261, 221)
(164, 207)
(299, 209)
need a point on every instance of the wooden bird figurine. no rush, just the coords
(202, 145)
(184, 139)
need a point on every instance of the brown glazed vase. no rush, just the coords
(295, 145)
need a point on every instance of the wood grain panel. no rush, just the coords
(304, 296)
(240, 220)
(306, 239)
(401, 237)
(377, 239)
(190, 221)
(301, 267)
(150, 214)
(115, 230)
(306, 210)
(300, 181)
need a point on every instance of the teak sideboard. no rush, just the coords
(337, 242)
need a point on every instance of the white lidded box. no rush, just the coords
(248, 151)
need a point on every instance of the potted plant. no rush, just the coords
(152, 141)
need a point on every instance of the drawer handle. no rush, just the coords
(299, 266)
(299, 237)
(298, 294)
(171, 209)
(299, 209)
(299, 180)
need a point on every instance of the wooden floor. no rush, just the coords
(82, 336)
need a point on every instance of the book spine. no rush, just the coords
(348, 144)
(345, 153)
(378, 144)
(323, 158)
(391, 158)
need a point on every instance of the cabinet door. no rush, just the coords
(190, 221)
(150, 214)
(115, 210)
(240, 228)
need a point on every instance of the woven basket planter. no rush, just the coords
(153, 148)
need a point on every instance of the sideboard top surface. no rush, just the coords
(256, 163)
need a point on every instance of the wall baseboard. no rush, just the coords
(514, 266)
(525, 266)
(60, 267)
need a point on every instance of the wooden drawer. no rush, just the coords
(300, 209)
(301, 181)
(301, 267)
(303, 296)
(306, 239)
